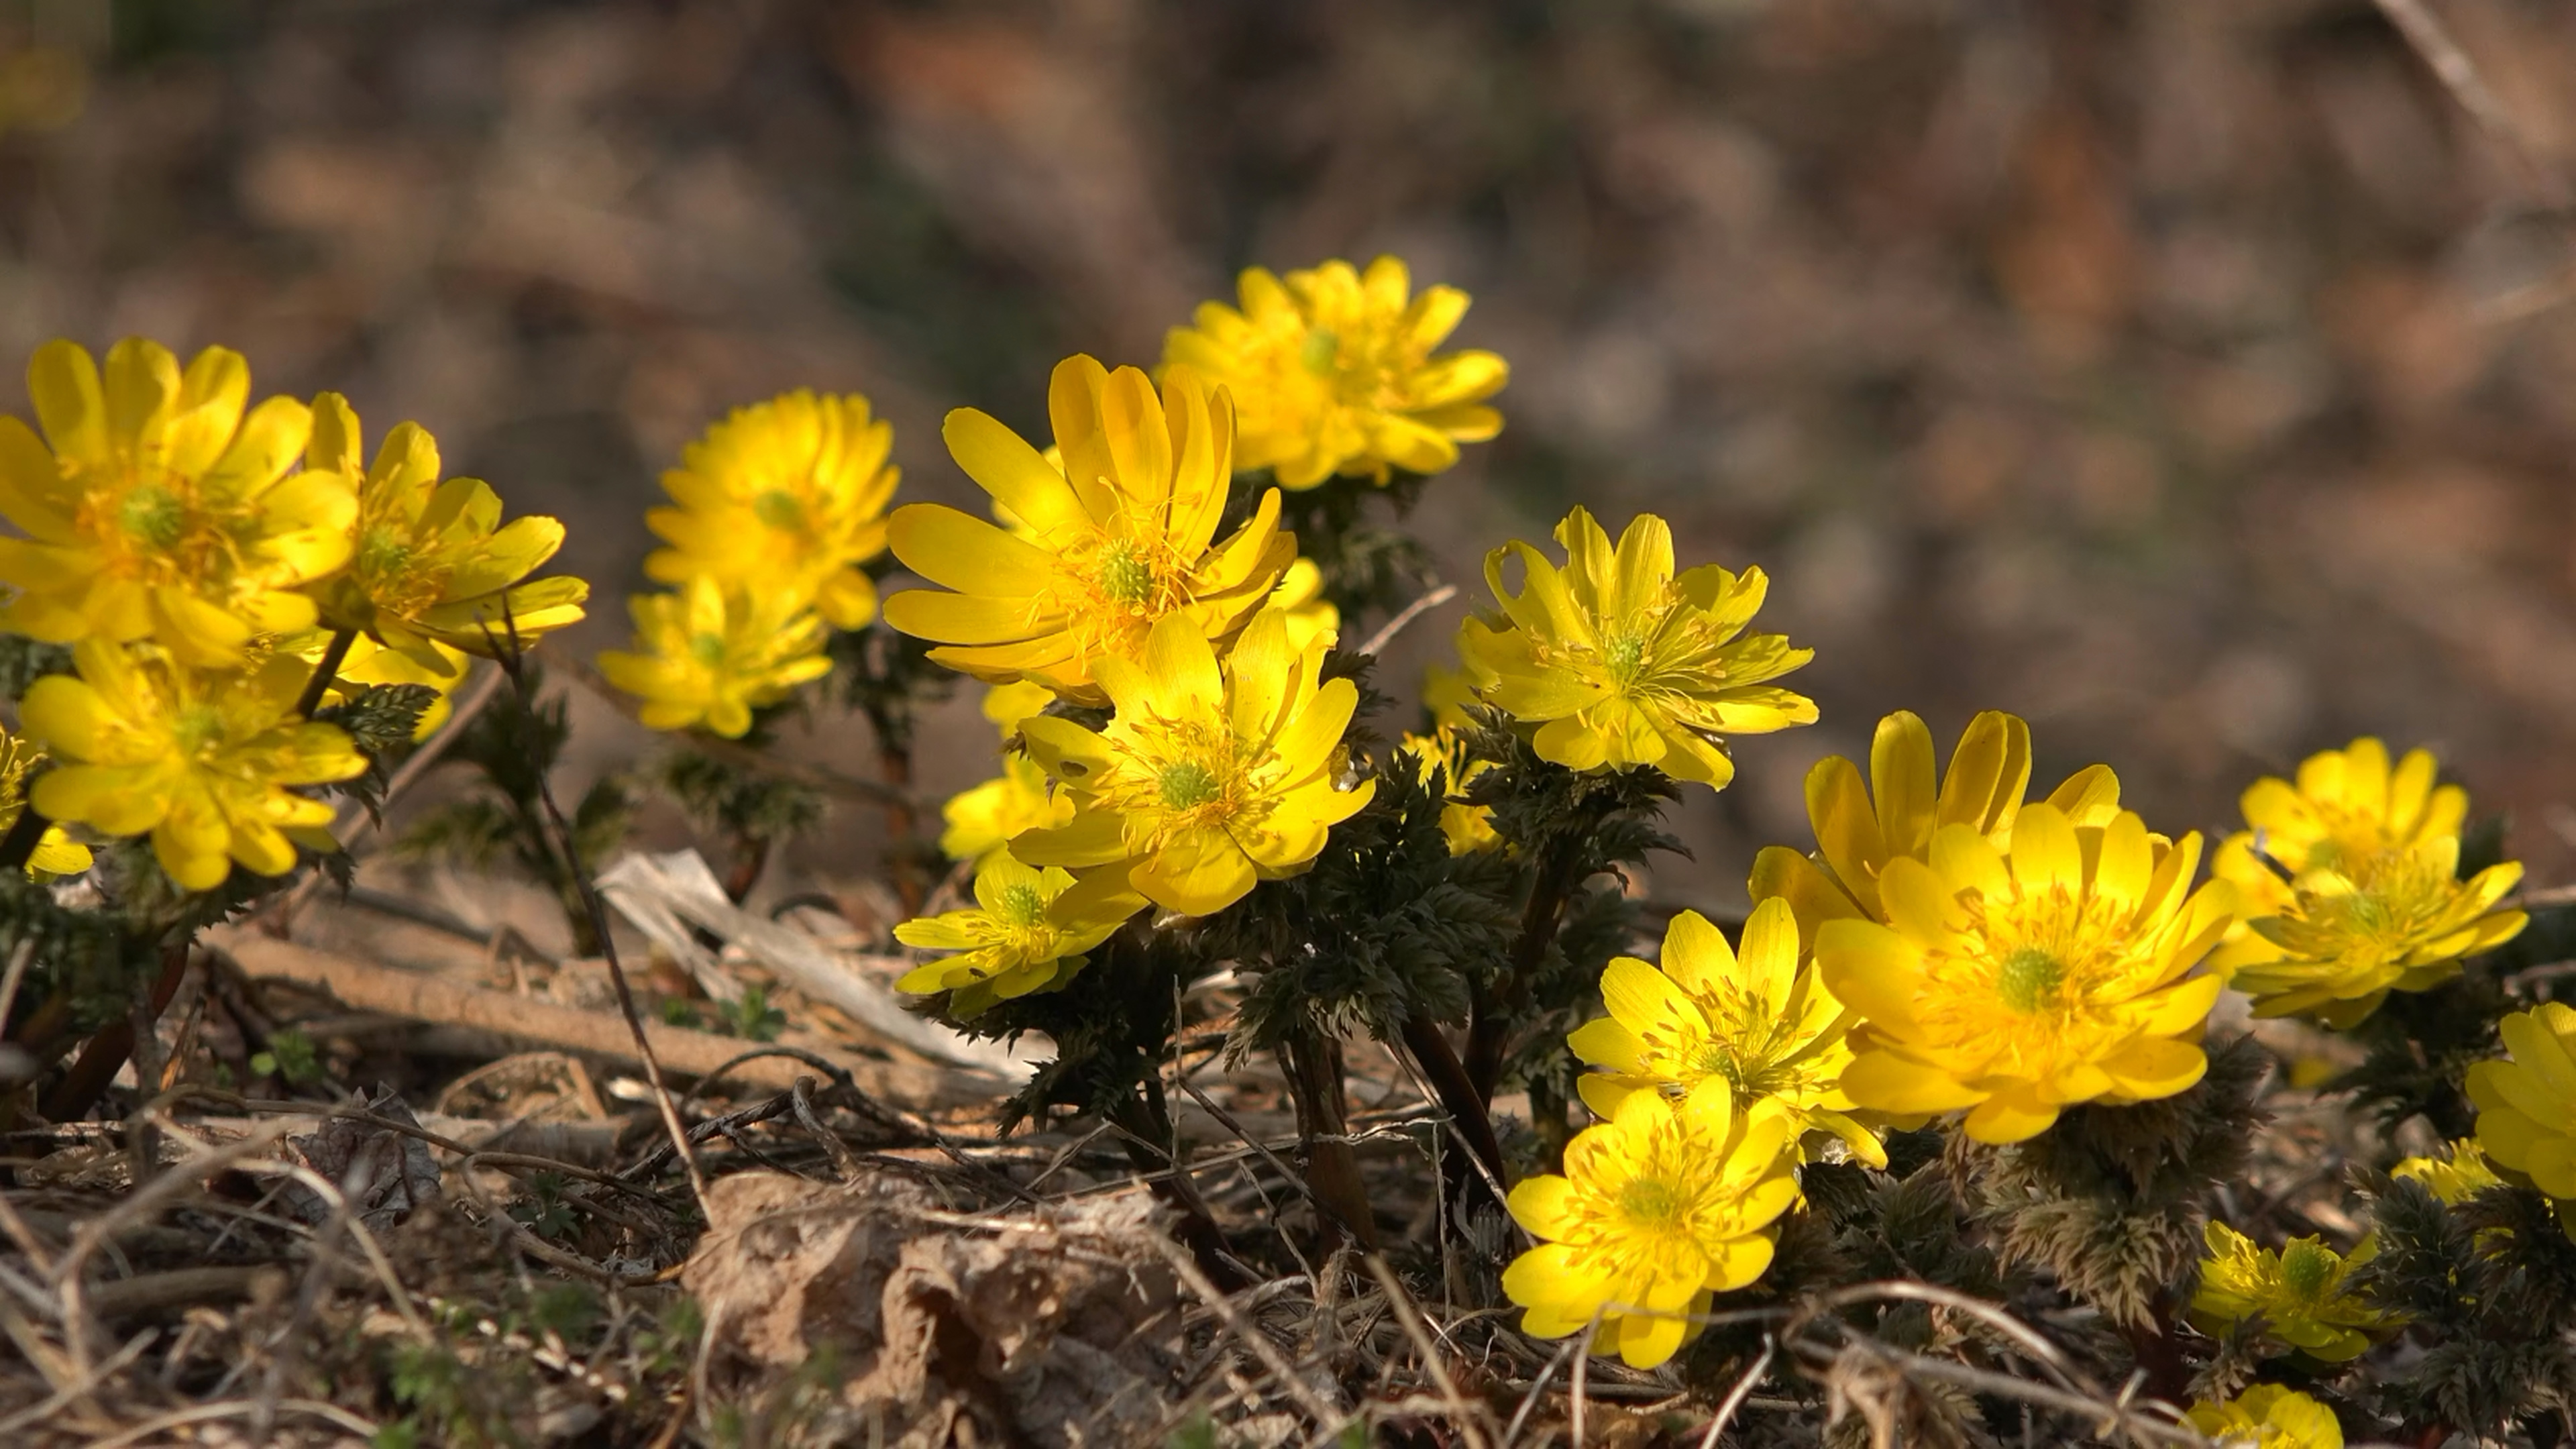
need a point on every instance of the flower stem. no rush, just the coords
(1323, 1127)
(334, 654)
(1496, 1013)
(1449, 1082)
(96, 1067)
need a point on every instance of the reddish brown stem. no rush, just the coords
(108, 1051)
(1314, 1070)
(746, 870)
(2156, 1351)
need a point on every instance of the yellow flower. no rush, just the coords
(1118, 539)
(1660, 1207)
(369, 662)
(2527, 1101)
(710, 656)
(2019, 984)
(202, 761)
(1008, 704)
(2301, 1293)
(1300, 596)
(1332, 372)
(2268, 1416)
(55, 853)
(1440, 764)
(154, 506)
(434, 565)
(2454, 1178)
(1754, 1021)
(1857, 836)
(2373, 903)
(984, 818)
(789, 495)
(1210, 777)
(1621, 664)
(1027, 933)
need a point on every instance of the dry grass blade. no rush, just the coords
(1537, 1391)
(1253, 1339)
(2431, 39)
(88, 1382)
(2041, 1351)
(1467, 1419)
(238, 1409)
(2109, 1414)
(1742, 1390)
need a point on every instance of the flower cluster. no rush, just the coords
(1107, 580)
(218, 567)
(1186, 794)
(2351, 886)
(776, 509)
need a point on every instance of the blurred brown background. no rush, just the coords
(2191, 376)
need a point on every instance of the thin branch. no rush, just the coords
(1387, 631)
(2432, 40)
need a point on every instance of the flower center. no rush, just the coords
(2306, 1268)
(155, 515)
(1652, 1202)
(2030, 979)
(708, 649)
(1022, 906)
(1126, 576)
(382, 551)
(1187, 785)
(779, 508)
(1717, 1060)
(197, 727)
(1321, 350)
(1624, 655)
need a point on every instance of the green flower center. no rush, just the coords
(155, 515)
(1022, 906)
(1187, 785)
(1320, 351)
(2030, 979)
(197, 726)
(382, 551)
(1653, 1201)
(1125, 576)
(708, 649)
(779, 508)
(1716, 1059)
(2306, 1268)
(1624, 655)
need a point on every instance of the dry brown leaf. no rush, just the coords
(1026, 1330)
